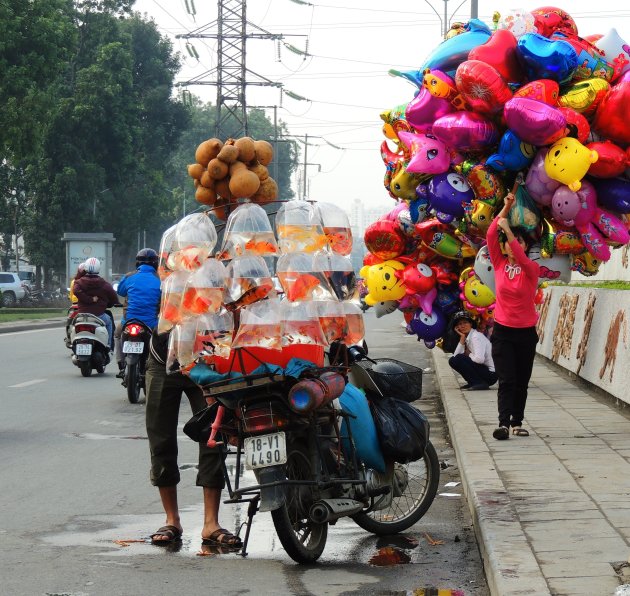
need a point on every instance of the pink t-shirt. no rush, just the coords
(516, 284)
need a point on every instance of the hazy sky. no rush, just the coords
(351, 45)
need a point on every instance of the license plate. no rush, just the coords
(133, 347)
(266, 450)
(83, 349)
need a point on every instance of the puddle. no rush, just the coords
(389, 555)
(398, 541)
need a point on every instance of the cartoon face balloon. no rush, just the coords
(428, 327)
(513, 154)
(384, 239)
(382, 282)
(428, 155)
(556, 268)
(567, 161)
(448, 193)
(548, 19)
(484, 269)
(385, 307)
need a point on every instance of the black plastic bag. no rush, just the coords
(198, 427)
(403, 430)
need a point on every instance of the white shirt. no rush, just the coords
(479, 347)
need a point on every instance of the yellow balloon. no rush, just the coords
(585, 96)
(567, 161)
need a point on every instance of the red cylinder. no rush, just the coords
(311, 394)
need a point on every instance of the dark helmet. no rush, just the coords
(462, 315)
(391, 378)
(147, 256)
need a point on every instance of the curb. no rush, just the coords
(31, 325)
(510, 565)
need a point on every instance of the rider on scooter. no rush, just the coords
(95, 294)
(142, 290)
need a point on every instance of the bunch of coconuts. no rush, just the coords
(236, 169)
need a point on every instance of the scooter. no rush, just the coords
(135, 337)
(90, 343)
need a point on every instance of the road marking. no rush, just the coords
(8, 334)
(27, 383)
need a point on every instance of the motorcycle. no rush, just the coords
(71, 313)
(307, 449)
(136, 337)
(89, 340)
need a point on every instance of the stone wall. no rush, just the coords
(586, 331)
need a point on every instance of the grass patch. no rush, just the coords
(602, 285)
(8, 315)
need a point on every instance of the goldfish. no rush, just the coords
(201, 300)
(334, 327)
(250, 296)
(191, 257)
(293, 238)
(300, 287)
(261, 247)
(340, 240)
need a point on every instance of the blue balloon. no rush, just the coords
(547, 58)
(513, 154)
(612, 193)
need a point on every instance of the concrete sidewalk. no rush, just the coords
(32, 324)
(552, 510)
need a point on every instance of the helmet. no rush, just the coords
(147, 256)
(391, 379)
(93, 266)
(463, 315)
(81, 268)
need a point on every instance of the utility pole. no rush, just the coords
(474, 9)
(305, 164)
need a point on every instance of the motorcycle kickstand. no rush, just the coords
(251, 511)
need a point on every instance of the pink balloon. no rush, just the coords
(428, 154)
(533, 121)
(424, 109)
(540, 187)
(466, 131)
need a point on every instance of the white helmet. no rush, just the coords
(93, 265)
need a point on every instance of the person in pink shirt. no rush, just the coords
(514, 335)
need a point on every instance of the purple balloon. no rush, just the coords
(424, 109)
(533, 121)
(613, 193)
(538, 184)
(466, 131)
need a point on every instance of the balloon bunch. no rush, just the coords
(225, 172)
(528, 106)
(214, 302)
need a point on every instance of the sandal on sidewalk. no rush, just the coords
(501, 433)
(517, 431)
(166, 535)
(222, 537)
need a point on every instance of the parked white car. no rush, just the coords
(11, 288)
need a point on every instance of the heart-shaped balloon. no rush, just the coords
(612, 160)
(384, 239)
(613, 193)
(611, 119)
(584, 97)
(501, 53)
(482, 87)
(424, 109)
(466, 131)
(577, 125)
(544, 90)
(546, 58)
(533, 121)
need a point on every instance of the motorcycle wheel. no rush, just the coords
(412, 504)
(302, 539)
(133, 383)
(86, 368)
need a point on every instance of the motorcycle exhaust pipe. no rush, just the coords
(328, 510)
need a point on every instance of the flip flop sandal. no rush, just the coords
(501, 433)
(517, 431)
(222, 537)
(170, 534)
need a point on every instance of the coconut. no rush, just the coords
(264, 152)
(244, 183)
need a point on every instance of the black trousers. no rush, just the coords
(513, 352)
(473, 372)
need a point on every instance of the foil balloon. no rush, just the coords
(381, 282)
(395, 121)
(405, 223)
(518, 22)
(385, 307)
(452, 52)
(466, 131)
(533, 121)
(484, 269)
(611, 119)
(482, 87)
(476, 296)
(612, 160)
(555, 268)
(428, 327)
(586, 264)
(557, 239)
(418, 207)
(439, 84)
(420, 284)
(549, 19)
(481, 215)
(403, 183)
(577, 125)
(438, 237)
(500, 52)
(613, 193)
(615, 49)
(513, 153)
(545, 90)
(538, 184)
(546, 58)
(424, 109)
(591, 60)
(486, 184)
(448, 300)
(567, 161)
(448, 193)
(384, 239)
(428, 154)
(585, 96)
